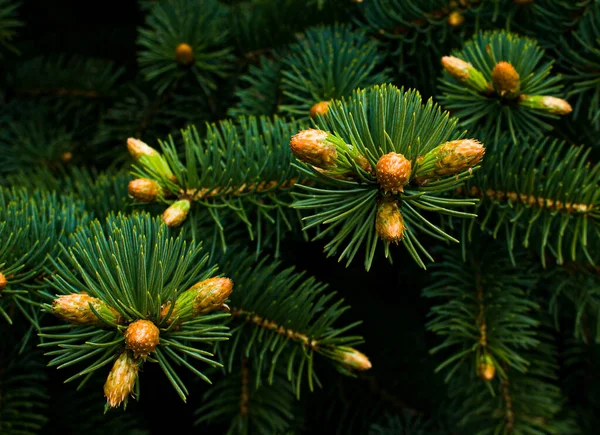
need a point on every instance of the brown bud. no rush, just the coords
(143, 190)
(486, 368)
(311, 146)
(457, 156)
(184, 54)
(389, 222)
(202, 298)
(393, 172)
(352, 358)
(121, 379)
(506, 79)
(319, 109)
(137, 149)
(556, 106)
(75, 308)
(3, 281)
(66, 156)
(141, 337)
(176, 213)
(457, 68)
(455, 19)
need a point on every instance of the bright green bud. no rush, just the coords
(466, 73)
(556, 106)
(75, 308)
(176, 213)
(201, 298)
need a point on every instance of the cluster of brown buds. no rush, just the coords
(141, 336)
(144, 190)
(329, 155)
(506, 83)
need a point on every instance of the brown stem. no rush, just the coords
(261, 322)
(509, 415)
(480, 317)
(531, 200)
(245, 397)
(206, 193)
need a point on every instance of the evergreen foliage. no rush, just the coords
(464, 130)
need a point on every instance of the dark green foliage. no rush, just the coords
(245, 408)
(580, 56)
(377, 121)
(407, 424)
(31, 225)
(23, 391)
(576, 290)
(133, 265)
(35, 142)
(260, 93)
(240, 168)
(528, 402)
(8, 24)
(328, 63)
(259, 26)
(492, 112)
(202, 26)
(482, 308)
(102, 193)
(542, 193)
(283, 318)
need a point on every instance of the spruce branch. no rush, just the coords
(542, 192)
(126, 289)
(240, 169)
(245, 407)
(383, 161)
(483, 313)
(289, 316)
(528, 402)
(473, 80)
(326, 63)
(31, 226)
(184, 38)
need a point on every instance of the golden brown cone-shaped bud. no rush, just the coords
(143, 190)
(121, 379)
(311, 146)
(3, 281)
(141, 337)
(486, 368)
(176, 213)
(554, 105)
(184, 54)
(456, 156)
(393, 172)
(506, 79)
(137, 148)
(457, 68)
(66, 156)
(202, 298)
(389, 222)
(352, 358)
(455, 19)
(75, 308)
(319, 109)
(212, 293)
